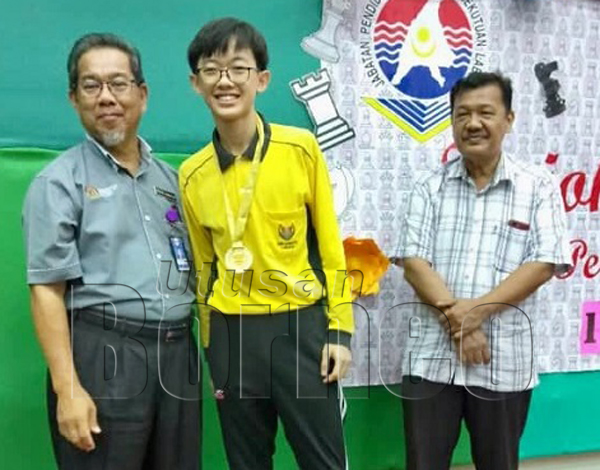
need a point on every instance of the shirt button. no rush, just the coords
(158, 255)
(167, 296)
(147, 218)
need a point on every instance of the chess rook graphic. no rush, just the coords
(313, 90)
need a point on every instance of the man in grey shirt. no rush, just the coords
(111, 289)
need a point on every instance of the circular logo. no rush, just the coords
(423, 47)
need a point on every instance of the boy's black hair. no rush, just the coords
(480, 79)
(216, 36)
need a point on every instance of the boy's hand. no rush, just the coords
(339, 357)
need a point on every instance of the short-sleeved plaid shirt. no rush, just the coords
(474, 239)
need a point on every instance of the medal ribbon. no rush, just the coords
(237, 226)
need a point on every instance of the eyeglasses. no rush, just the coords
(117, 86)
(237, 75)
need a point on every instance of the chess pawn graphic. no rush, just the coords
(494, 61)
(573, 359)
(366, 138)
(560, 44)
(590, 81)
(365, 118)
(512, 55)
(559, 291)
(592, 42)
(348, 158)
(525, 124)
(526, 85)
(524, 146)
(386, 162)
(513, 20)
(586, 151)
(386, 202)
(544, 54)
(529, 42)
(321, 44)
(403, 141)
(588, 131)
(557, 126)
(368, 214)
(581, 227)
(525, 106)
(547, 22)
(349, 74)
(543, 344)
(349, 222)
(539, 137)
(557, 361)
(590, 290)
(574, 98)
(578, 22)
(571, 139)
(495, 40)
(496, 21)
(588, 110)
(576, 61)
(595, 226)
(348, 96)
(367, 162)
(559, 323)
(348, 114)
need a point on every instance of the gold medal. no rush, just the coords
(238, 258)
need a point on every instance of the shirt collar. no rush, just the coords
(145, 151)
(505, 170)
(226, 158)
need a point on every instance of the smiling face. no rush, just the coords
(111, 117)
(230, 101)
(480, 122)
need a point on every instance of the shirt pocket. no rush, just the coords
(285, 235)
(512, 249)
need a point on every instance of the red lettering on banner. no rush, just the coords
(575, 183)
(590, 262)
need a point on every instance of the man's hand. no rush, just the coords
(340, 357)
(474, 348)
(77, 419)
(462, 316)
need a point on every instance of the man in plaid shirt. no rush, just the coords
(480, 235)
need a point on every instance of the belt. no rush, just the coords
(167, 331)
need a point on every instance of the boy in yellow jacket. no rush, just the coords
(259, 207)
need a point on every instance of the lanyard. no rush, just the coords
(237, 225)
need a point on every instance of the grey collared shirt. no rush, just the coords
(87, 221)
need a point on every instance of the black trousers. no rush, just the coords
(146, 388)
(266, 367)
(495, 421)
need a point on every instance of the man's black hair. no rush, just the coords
(479, 79)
